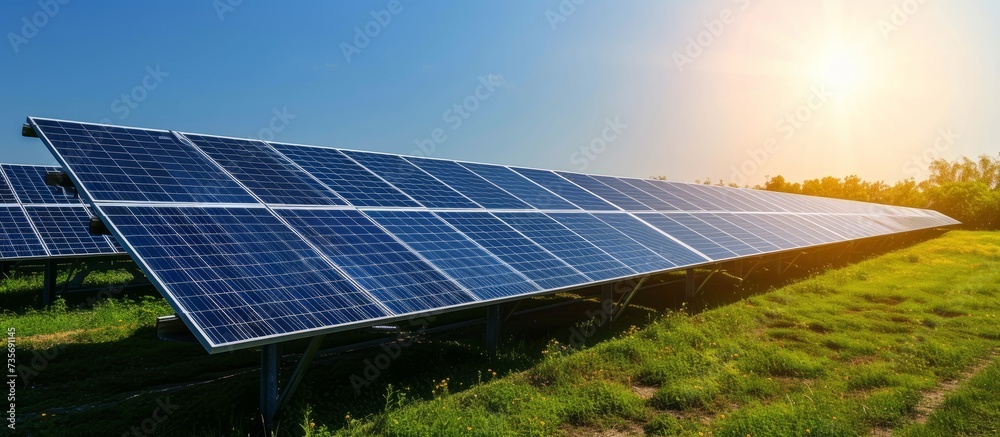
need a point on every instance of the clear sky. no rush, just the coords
(731, 89)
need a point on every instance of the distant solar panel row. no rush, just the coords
(40, 221)
(257, 242)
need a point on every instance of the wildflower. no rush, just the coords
(542, 422)
(348, 417)
(312, 424)
(468, 428)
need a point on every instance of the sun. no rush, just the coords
(842, 69)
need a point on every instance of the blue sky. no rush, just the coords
(595, 87)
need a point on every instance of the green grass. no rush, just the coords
(838, 354)
(841, 353)
(972, 409)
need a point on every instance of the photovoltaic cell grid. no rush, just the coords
(383, 266)
(480, 272)
(64, 231)
(345, 177)
(28, 181)
(239, 273)
(20, 239)
(268, 175)
(57, 219)
(254, 269)
(136, 165)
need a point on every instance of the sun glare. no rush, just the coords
(842, 70)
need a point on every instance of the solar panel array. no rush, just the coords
(256, 242)
(40, 221)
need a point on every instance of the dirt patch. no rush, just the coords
(881, 432)
(935, 397)
(861, 360)
(620, 431)
(644, 392)
(890, 300)
(56, 338)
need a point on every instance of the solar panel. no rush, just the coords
(483, 274)
(672, 199)
(795, 226)
(255, 243)
(239, 274)
(605, 192)
(469, 184)
(419, 185)
(20, 240)
(725, 239)
(686, 235)
(566, 189)
(28, 181)
(6, 195)
(655, 240)
(345, 177)
(383, 266)
(759, 229)
(618, 245)
(567, 245)
(774, 227)
(524, 255)
(520, 186)
(265, 173)
(757, 243)
(124, 164)
(685, 193)
(623, 186)
(64, 230)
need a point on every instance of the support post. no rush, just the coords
(5, 269)
(49, 283)
(623, 303)
(690, 286)
(608, 301)
(268, 384)
(492, 329)
(300, 371)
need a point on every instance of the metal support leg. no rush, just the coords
(4, 269)
(49, 284)
(617, 314)
(690, 286)
(492, 329)
(608, 301)
(299, 372)
(268, 384)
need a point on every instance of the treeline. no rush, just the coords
(965, 189)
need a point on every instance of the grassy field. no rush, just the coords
(905, 343)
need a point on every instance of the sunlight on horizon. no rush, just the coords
(886, 91)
